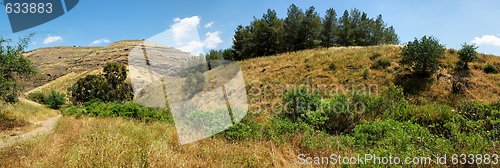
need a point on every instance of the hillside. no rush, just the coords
(269, 140)
(268, 77)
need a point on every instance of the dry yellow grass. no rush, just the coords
(114, 142)
(27, 113)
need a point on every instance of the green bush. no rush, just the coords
(475, 111)
(423, 55)
(194, 83)
(434, 117)
(404, 139)
(366, 74)
(109, 87)
(280, 129)
(332, 66)
(490, 69)
(244, 130)
(126, 110)
(381, 64)
(342, 113)
(467, 54)
(299, 101)
(38, 97)
(55, 100)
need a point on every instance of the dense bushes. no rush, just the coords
(490, 69)
(381, 64)
(404, 139)
(38, 97)
(126, 110)
(422, 55)
(194, 84)
(54, 100)
(299, 101)
(109, 87)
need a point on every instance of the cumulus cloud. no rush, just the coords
(212, 40)
(52, 39)
(209, 25)
(487, 40)
(183, 35)
(100, 41)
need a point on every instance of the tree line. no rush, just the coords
(301, 30)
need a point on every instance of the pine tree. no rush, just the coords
(242, 43)
(311, 28)
(292, 29)
(345, 30)
(330, 28)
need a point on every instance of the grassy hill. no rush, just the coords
(263, 139)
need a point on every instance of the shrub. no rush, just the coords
(109, 87)
(55, 100)
(342, 113)
(475, 111)
(467, 54)
(490, 69)
(38, 97)
(366, 74)
(434, 117)
(194, 83)
(422, 55)
(244, 130)
(299, 101)
(332, 66)
(381, 63)
(404, 139)
(126, 110)
(89, 88)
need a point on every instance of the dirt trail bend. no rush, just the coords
(47, 127)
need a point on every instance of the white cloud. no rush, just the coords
(487, 40)
(52, 39)
(100, 41)
(209, 25)
(212, 40)
(183, 35)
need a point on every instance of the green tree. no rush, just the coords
(242, 43)
(330, 28)
(109, 87)
(118, 90)
(467, 54)
(345, 30)
(267, 34)
(55, 100)
(13, 65)
(422, 55)
(293, 33)
(311, 28)
(194, 84)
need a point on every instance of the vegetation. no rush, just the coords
(13, 65)
(490, 69)
(125, 110)
(467, 54)
(55, 100)
(194, 83)
(381, 64)
(109, 87)
(301, 30)
(422, 55)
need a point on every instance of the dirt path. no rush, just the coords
(47, 127)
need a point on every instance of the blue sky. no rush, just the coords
(94, 22)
